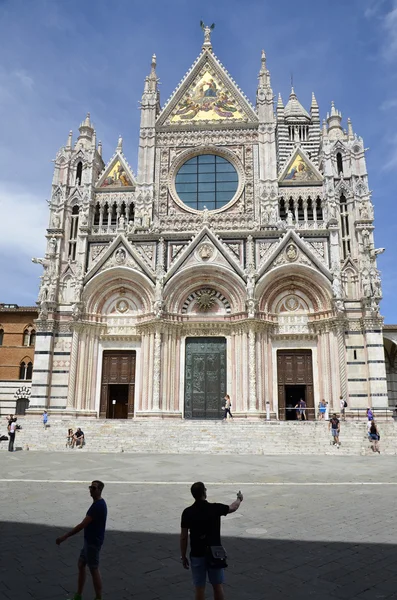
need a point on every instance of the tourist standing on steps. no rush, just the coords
(11, 433)
(228, 406)
(94, 525)
(45, 419)
(334, 426)
(343, 405)
(302, 409)
(203, 520)
(322, 407)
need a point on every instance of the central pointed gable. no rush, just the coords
(300, 171)
(207, 94)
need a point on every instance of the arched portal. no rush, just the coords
(297, 351)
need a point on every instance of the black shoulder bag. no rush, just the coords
(216, 557)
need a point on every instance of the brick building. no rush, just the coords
(17, 341)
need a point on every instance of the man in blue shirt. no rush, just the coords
(94, 532)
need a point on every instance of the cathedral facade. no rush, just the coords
(239, 259)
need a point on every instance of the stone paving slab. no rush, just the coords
(287, 541)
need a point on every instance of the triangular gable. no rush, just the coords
(349, 264)
(207, 94)
(117, 174)
(293, 250)
(300, 171)
(204, 241)
(120, 254)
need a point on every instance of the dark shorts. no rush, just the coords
(374, 436)
(198, 565)
(89, 555)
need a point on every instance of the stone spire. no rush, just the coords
(294, 109)
(280, 107)
(334, 120)
(350, 131)
(314, 110)
(86, 131)
(264, 94)
(120, 145)
(263, 73)
(100, 148)
(69, 142)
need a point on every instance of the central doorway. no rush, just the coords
(294, 382)
(118, 384)
(205, 377)
(293, 393)
(117, 402)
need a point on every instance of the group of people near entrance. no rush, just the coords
(202, 520)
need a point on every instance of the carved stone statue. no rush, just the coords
(205, 215)
(273, 215)
(122, 222)
(366, 283)
(52, 246)
(138, 217)
(364, 211)
(56, 220)
(146, 218)
(337, 286)
(290, 219)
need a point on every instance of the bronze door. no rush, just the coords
(205, 377)
(118, 384)
(294, 381)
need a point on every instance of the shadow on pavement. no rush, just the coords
(146, 566)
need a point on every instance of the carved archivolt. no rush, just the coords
(230, 289)
(311, 296)
(103, 293)
(206, 300)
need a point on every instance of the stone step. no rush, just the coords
(164, 436)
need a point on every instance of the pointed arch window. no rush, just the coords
(1, 336)
(344, 225)
(29, 336)
(74, 225)
(22, 370)
(301, 213)
(310, 215)
(79, 173)
(282, 209)
(29, 370)
(319, 210)
(339, 163)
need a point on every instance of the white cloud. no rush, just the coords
(388, 104)
(24, 218)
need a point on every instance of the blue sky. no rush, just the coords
(61, 59)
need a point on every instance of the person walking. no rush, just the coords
(12, 427)
(203, 520)
(373, 434)
(370, 414)
(334, 425)
(302, 409)
(227, 407)
(343, 405)
(45, 419)
(322, 406)
(94, 525)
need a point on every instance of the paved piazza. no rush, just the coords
(308, 527)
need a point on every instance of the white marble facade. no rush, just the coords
(288, 262)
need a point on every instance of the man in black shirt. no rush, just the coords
(204, 522)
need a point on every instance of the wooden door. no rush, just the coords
(294, 367)
(205, 377)
(118, 368)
